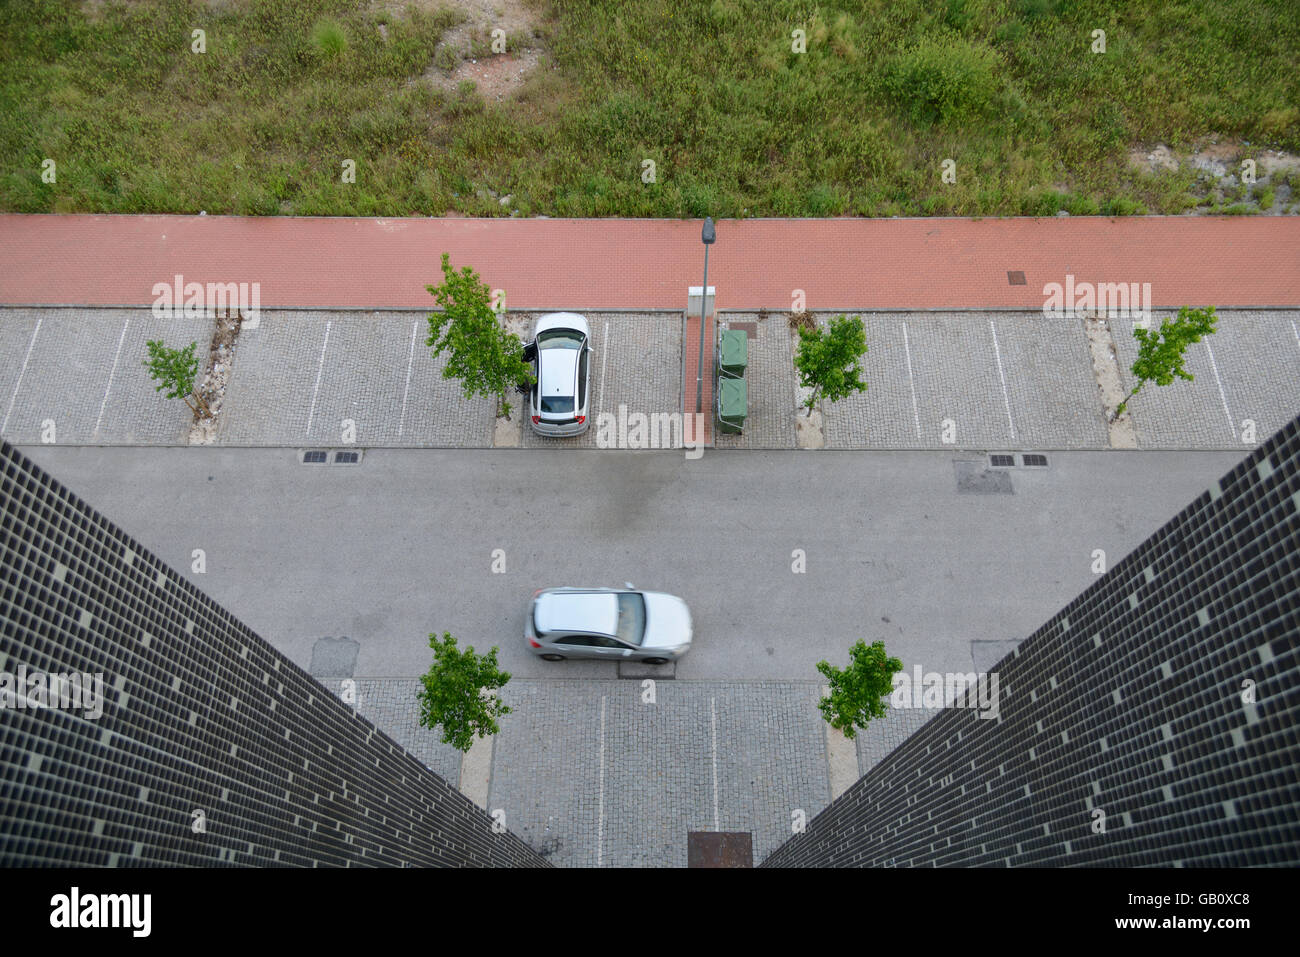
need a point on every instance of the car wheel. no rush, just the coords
(552, 657)
(655, 661)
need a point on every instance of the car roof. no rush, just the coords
(584, 611)
(557, 372)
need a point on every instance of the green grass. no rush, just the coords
(735, 122)
(329, 39)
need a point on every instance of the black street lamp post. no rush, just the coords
(709, 237)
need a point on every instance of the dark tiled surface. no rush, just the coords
(1129, 708)
(200, 715)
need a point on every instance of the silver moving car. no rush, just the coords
(559, 403)
(611, 623)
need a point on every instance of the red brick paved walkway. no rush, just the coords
(643, 264)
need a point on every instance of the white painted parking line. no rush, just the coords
(21, 373)
(1006, 399)
(1222, 395)
(907, 349)
(111, 373)
(600, 799)
(604, 363)
(319, 369)
(401, 423)
(713, 712)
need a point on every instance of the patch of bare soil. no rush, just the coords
(809, 425)
(466, 51)
(507, 433)
(496, 77)
(802, 320)
(1221, 174)
(212, 390)
(1105, 370)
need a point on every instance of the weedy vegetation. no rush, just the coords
(737, 124)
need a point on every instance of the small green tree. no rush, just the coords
(484, 356)
(175, 370)
(858, 691)
(458, 692)
(827, 359)
(1161, 354)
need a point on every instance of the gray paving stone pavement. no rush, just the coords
(770, 383)
(636, 364)
(300, 377)
(625, 792)
(627, 797)
(1248, 369)
(1005, 380)
(83, 370)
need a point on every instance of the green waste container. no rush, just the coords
(733, 405)
(733, 352)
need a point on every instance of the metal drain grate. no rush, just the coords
(1035, 461)
(1002, 461)
(324, 456)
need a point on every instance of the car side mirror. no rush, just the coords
(628, 585)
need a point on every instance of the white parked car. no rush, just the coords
(559, 403)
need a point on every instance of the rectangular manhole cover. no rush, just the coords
(719, 849)
(1015, 277)
(333, 658)
(750, 329)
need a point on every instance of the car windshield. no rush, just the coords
(631, 618)
(560, 339)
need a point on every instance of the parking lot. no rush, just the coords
(635, 367)
(972, 380)
(80, 373)
(1248, 370)
(950, 380)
